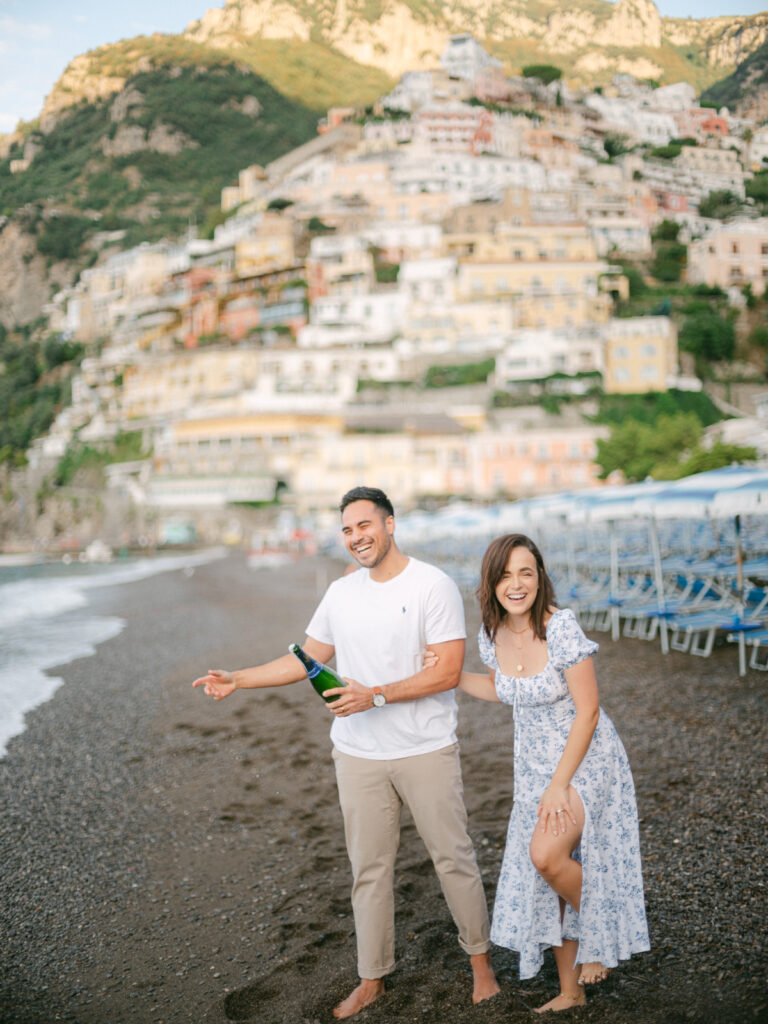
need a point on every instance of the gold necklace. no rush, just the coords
(518, 632)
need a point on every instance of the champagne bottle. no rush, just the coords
(321, 677)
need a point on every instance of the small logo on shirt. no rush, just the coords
(404, 609)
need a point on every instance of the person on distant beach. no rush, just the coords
(571, 875)
(394, 734)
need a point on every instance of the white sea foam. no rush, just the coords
(45, 622)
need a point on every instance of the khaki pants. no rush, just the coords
(371, 794)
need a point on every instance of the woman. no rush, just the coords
(571, 875)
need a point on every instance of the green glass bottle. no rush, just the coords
(321, 677)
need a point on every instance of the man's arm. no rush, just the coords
(442, 675)
(219, 683)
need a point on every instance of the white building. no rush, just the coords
(464, 57)
(466, 177)
(650, 126)
(368, 318)
(428, 281)
(533, 354)
(673, 98)
(400, 240)
(622, 233)
(413, 90)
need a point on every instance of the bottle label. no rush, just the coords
(314, 671)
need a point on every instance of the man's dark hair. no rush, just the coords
(379, 499)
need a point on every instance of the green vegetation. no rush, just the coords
(648, 407)
(615, 144)
(667, 449)
(707, 335)
(747, 77)
(660, 434)
(465, 373)
(720, 204)
(62, 236)
(317, 226)
(386, 273)
(279, 203)
(757, 188)
(34, 385)
(126, 447)
(545, 73)
(669, 255)
(668, 152)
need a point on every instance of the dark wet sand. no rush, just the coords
(168, 859)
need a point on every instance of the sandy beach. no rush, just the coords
(168, 860)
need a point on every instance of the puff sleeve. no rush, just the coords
(566, 641)
(487, 650)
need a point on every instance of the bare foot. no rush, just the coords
(485, 984)
(563, 1002)
(591, 974)
(367, 992)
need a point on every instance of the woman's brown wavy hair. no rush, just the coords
(494, 566)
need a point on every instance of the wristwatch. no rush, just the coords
(379, 700)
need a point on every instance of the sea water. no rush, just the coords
(47, 620)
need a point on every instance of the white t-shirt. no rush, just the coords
(379, 631)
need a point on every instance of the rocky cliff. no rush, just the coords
(398, 35)
(746, 90)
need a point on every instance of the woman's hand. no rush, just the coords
(555, 809)
(431, 658)
(218, 683)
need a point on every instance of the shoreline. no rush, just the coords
(170, 859)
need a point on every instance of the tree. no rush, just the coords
(545, 73)
(702, 459)
(666, 231)
(708, 335)
(636, 449)
(758, 336)
(314, 224)
(720, 204)
(669, 261)
(279, 203)
(615, 144)
(757, 187)
(637, 285)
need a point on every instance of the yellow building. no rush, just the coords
(550, 273)
(161, 386)
(640, 354)
(269, 248)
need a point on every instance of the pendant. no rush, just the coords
(519, 668)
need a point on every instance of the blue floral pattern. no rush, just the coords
(611, 925)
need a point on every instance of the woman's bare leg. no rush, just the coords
(571, 992)
(551, 856)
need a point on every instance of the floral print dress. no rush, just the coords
(611, 925)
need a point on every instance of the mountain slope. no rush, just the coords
(589, 39)
(144, 162)
(745, 92)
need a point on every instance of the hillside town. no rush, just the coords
(469, 219)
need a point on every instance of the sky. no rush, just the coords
(38, 38)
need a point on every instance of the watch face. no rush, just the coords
(379, 700)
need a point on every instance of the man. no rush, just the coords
(394, 733)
